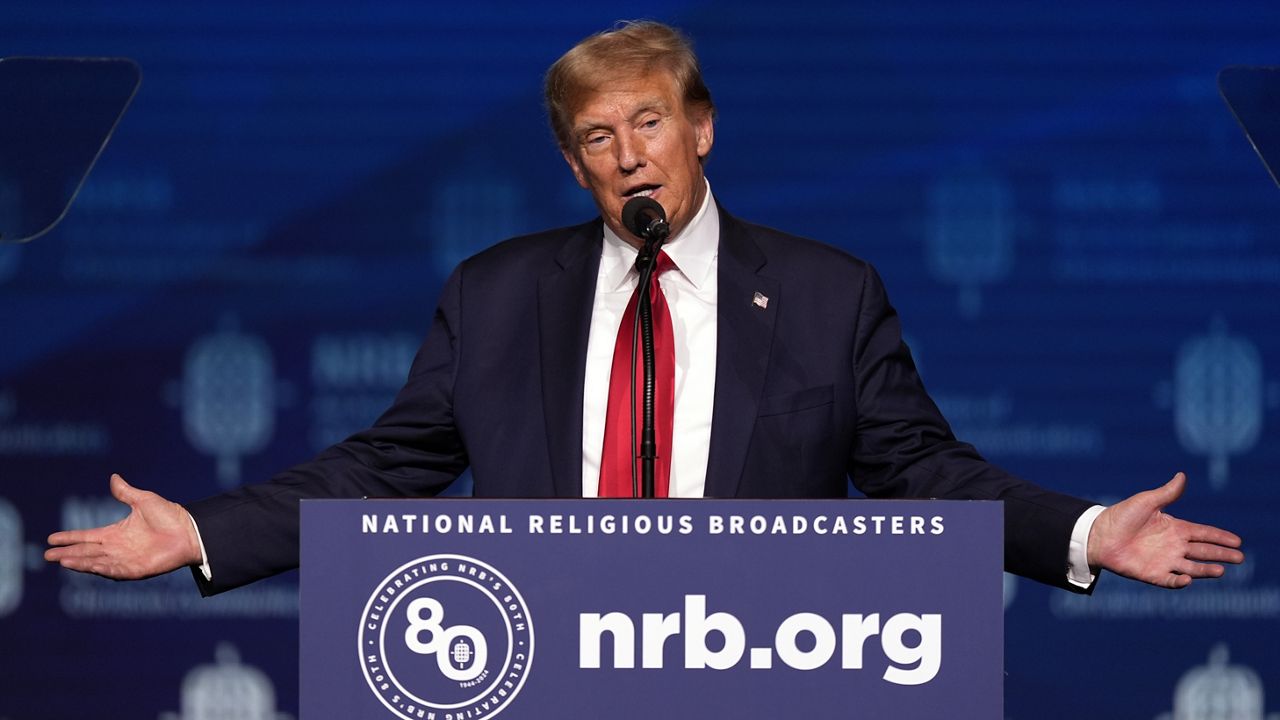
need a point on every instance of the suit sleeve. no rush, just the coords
(904, 448)
(413, 450)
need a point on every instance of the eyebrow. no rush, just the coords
(654, 104)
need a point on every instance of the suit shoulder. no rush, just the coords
(787, 252)
(534, 251)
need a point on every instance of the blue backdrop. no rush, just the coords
(1070, 222)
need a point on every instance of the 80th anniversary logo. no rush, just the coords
(445, 637)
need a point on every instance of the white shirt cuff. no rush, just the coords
(1078, 571)
(204, 556)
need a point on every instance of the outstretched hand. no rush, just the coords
(155, 538)
(1136, 539)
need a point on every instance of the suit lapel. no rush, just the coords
(565, 298)
(744, 336)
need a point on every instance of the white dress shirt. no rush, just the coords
(691, 291)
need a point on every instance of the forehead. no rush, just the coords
(623, 97)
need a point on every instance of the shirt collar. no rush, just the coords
(693, 251)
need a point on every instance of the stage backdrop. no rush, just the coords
(1080, 241)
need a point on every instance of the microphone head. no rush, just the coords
(641, 214)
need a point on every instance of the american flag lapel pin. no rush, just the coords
(760, 300)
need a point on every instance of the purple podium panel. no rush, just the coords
(467, 609)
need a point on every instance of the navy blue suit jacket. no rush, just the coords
(811, 390)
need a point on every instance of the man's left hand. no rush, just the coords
(1136, 539)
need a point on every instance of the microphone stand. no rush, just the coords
(646, 261)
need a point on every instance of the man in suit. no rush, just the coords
(787, 373)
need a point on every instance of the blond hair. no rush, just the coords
(631, 49)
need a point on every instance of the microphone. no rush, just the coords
(646, 219)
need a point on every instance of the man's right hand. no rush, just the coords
(156, 537)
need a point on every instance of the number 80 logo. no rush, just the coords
(445, 634)
(461, 651)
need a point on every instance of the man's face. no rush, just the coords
(637, 138)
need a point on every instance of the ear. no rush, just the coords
(704, 132)
(575, 166)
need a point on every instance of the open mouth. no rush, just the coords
(641, 191)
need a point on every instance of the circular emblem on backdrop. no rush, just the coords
(445, 634)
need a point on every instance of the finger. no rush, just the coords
(107, 567)
(77, 564)
(1213, 553)
(73, 551)
(1168, 493)
(74, 537)
(89, 565)
(123, 491)
(1198, 570)
(1174, 581)
(1210, 534)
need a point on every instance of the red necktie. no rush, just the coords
(617, 459)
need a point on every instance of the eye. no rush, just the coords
(650, 123)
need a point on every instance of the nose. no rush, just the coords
(631, 152)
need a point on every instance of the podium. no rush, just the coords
(458, 608)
